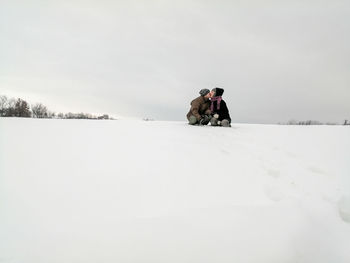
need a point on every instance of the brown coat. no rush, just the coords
(199, 106)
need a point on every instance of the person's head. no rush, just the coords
(216, 92)
(212, 93)
(205, 93)
(208, 96)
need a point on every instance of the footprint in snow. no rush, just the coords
(273, 193)
(224, 151)
(273, 172)
(316, 170)
(292, 155)
(344, 208)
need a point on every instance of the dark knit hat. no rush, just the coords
(204, 92)
(218, 91)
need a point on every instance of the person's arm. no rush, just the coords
(226, 114)
(208, 112)
(195, 109)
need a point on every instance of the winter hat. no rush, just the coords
(217, 97)
(204, 92)
(218, 92)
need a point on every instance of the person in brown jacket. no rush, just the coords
(200, 109)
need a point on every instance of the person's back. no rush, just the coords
(200, 108)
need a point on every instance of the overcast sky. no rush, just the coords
(276, 60)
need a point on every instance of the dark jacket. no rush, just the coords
(223, 111)
(199, 107)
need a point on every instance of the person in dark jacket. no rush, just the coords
(219, 110)
(200, 112)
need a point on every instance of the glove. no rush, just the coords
(216, 116)
(219, 122)
(204, 120)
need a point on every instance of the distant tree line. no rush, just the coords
(312, 122)
(148, 119)
(11, 107)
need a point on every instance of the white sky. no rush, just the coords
(276, 60)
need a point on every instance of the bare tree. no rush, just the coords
(60, 115)
(331, 123)
(22, 109)
(11, 108)
(51, 114)
(39, 111)
(3, 105)
(103, 117)
(69, 115)
(292, 122)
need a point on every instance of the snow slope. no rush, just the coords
(136, 191)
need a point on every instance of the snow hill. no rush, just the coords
(137, 191)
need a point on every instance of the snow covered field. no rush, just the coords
(136, 191)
